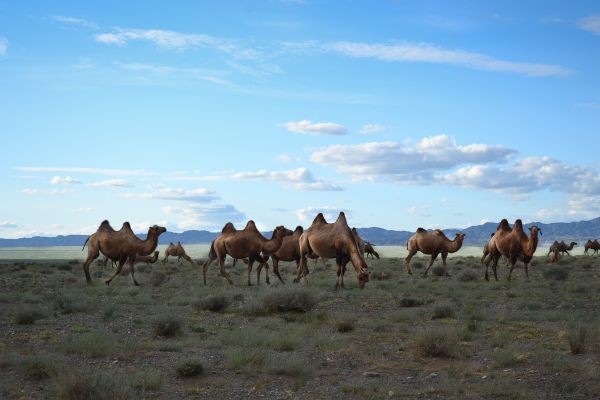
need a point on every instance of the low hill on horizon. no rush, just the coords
(477, 235)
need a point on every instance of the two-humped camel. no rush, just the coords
(561, 247)
(335, 240)
(176, 250)
(512, 244)
(122, 245)
(370, 250)
(247, 243)
(432, 243)
(591, 245)
(138, 259)
(288, 251)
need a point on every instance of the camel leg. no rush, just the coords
(301, 268)
(487, 265)
(250, 263)
(513, 261)
(431, 261)
(118, 271)
(223, 271)
(495, 267)
(408, 258)
(205, 266)
(276, 268)
(343, 273)
(132, 270)
(166, 259)
(339, 273)
(444, 256)
(86, 269)
(567, 251)
(526, 270)
(188, 258)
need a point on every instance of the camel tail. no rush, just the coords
(377, 254)
(212, 253)
(86, 240)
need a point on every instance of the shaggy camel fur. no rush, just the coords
(591, 245)
(176, 250)
(247, 243)
(122, 245)
(370, 250)
(512, 243)
(562, 247)
(289, 251)
(332, 241)
(432, 243)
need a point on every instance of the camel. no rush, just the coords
(433, 243)
(554, 256)
(247, 243)
(370, 250)
(138, 259)
(176, 250)
(335, 240)
(288, 251)
(591, 245)
(562, 247)
(122, 245)
(512, 243)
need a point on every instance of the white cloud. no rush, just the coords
(430, 53)
(75, 21)
(307, 127)
(204, 216)
(370, 129)
(119, 182)
(329, 212)
(66, 180)
(166, 193)
(3, 45)
(213, 76)
(402, 163)
(591, 24)
(33, 191)
(284, 158)
(8, 225)
(88, 170)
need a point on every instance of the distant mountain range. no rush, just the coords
(475, 235)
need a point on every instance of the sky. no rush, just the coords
(401, 113)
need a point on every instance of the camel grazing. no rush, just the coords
(591, 245)
(554, 256)
(562, 247)
(247, 243)
(176, 250)
(288, 251)
(370, 250)
(433, 243)
(337, 241)
(513, 243)
(122, 245)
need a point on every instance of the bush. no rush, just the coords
(380, 275)
(211, 303)
(345, 324)
(97, 385)
(437, 343)
(408, 302)
(157, 278)
(28, 316)
(576, 339)
(288, 365)
(93, 344)
(282, 300)
(189, 368)
(468, 276)
(438, 270)
(508, 357)
(556, 273)
(38, 367)
(67, 303)
(167, 326)
(148, 380)
(64, 267)
(443, 311)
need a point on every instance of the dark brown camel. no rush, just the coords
(370, 250)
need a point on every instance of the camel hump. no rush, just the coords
(319, 219)
(421, 230)
(341, 218)
(518, 225)
(228, 228)
(126, 227)
(106, 225)
(250, 226)
(438, 232)
(299, 229)
(503, 225)
(354, 231)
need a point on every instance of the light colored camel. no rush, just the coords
(432, 243)
(247, 243)
(122, 245)
(370, 250)
(332, 241)
(513, 243)
(289, 251)
(591, 245)
(176, 250)
(561, 247)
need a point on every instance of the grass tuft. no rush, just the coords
(556, 274)
(211, 303)
(28, 315)
(189, 368)
(577, 338)
(97, 385)
(167, 326)
(443, 311)
(437, 343)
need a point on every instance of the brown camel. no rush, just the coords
(562, 247)
(176, 250)
(591, 245)
(370, 250)
(332, 241)
(554, 256)
(138, 259)
(289, 251)
(433, 243)
(247, 243)
(122, 245)
(513, 243)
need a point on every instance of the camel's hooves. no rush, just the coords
(107, 283)
(136, 284)
(448, 275)
(296, 280)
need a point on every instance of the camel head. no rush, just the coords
(459, 237)
(534, 230)
(573, 243)
(282, 231)
(156, 230)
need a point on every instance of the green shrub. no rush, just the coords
(437, 343)
(281, 300)
(93, 344)
(38, 367)
(67, 303)
(577, 339)
(189, 368)
(211, 303)
(508, 357)
(289, 365)
(443, 311)
(556, 273)
(97, 385)
(345, 324)
(408, 302)
(157, 278)
(150, 379)
(468, 276)
(438, 270)
(28, 315)
(167, 326)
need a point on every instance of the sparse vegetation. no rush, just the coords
(167, 326)
(28, 315)
(437, 343)
(211, 303)
(556, 274)
(577, 337)
(189, 368)
(443, 311)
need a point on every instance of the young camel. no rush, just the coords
(433, 243)
(370, 250)
(247, 243)
(289, 251)
(561, 247)
(591, 245)
(138, 259)
(332, 241)
(513, 243)
(176, 250)
(122, 245)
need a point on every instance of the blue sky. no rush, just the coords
(401, 113)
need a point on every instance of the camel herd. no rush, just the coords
(322, 240)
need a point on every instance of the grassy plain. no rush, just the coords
(402, 337)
